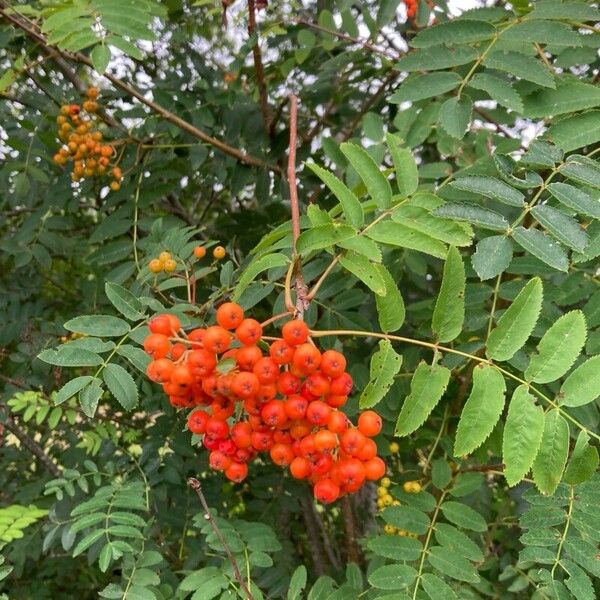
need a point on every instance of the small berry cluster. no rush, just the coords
(285, 400)
(164, 262)
(386, 499)
(82, 142)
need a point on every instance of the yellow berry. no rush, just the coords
(402, 533)
(386, 482)
(394, 447)
(380, 503)
(387, 500)
(389, 529)
(169, 265)
(219, 252)
(155, 266)
(412, 535)
(115, 186)
(381, 491)
(164, 256)
(396, 503)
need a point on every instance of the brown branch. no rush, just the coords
(333, 559)
(348, 38)
(259, 69)
(197, 487)
(314, 541)
(239, 155)
(353, 552)
(32, 446)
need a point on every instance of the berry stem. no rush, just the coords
(275, 318)
(197, 487)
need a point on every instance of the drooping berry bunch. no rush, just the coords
(82, 142)
(281, 398)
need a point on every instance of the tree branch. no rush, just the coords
(352, 550)
(239, 155)
(197, 487)
(259, 69)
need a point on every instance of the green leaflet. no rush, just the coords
(353, 211)
(558, 349)
(492, 256)
(542, 247)
(481, 411)
(255, 268)
(584, 461)
(449, 312)
(576, 131)
(499, 90)
(436, 588)
(582, 386)
(401, 236)
(576, 199)
(582, 169)
(517, 323)
(369, 273)
(521, 66)
(461, 31)
(407, 173)
(436, 57)
(551, 458)
(375, 181)
(420, 87)
(569, 96)
(522, 435)
(452, 565)
(98, 325)
(390, 307)
(490, 187)
(472, 213)
(426, 388)
(121, 385)
(463, 516)
(323, 236)
(455, 116)
(385, 364)
(564, 228)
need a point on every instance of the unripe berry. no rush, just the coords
(219, 252)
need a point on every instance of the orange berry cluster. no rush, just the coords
(285, 400)
(82, 142)
(164, 262)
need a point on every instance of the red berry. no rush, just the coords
(157, 345)
(237, 472)
(295, 332)
(229, 315)
(326, 491)
(369, 423)
(375, 469)
(249, 332)
(197, 421)
(300, 468)
(333, 363)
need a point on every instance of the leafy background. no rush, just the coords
(451, 192)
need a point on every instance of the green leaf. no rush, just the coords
(492, 256)
(483, 217)
(577, 11)
(352, 208)
(71, 388)
(392, 577)
(426, 389)
(449, 312)
(255, 268)
(551, 458)
(124, 301)
(87, 541)
(517, 322)
(70, 357)
(297, 583)
(457, 542)
(558, 349)
(436, 58)
(407, 172)
(463, 31)
(490, 187)
(121, 385)
(452, 565)
(578, 583)
(522, 435)
(407, 518)
(396, 547)
(136, 356)
(364, 246)
(521, 66)
(421, 87)
(463, 516)
(390, 307)
(105, 557)
(564, 228)
(385, 364)
(582, 169)
(576, 199)
(455, 116)
(584, 461)
(436, 588)
(89, 397)
(375, 181)
(499, 90)
(365, 270)
(582, 386)
(482, 409)
(401, 236)
(125, 46)
(100, 57)
(576, 131)
(323, 236)
(569, 96)
(542, 246)
(98, 325)
(441, 473)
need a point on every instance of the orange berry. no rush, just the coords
(115, 186)
(229, 315)
(169, 265)
(219, 252)
(155, 266)
(199, 251)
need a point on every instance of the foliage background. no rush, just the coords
(94, 487)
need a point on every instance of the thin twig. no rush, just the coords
(197, 487)
(299, 284)
(259, 69)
